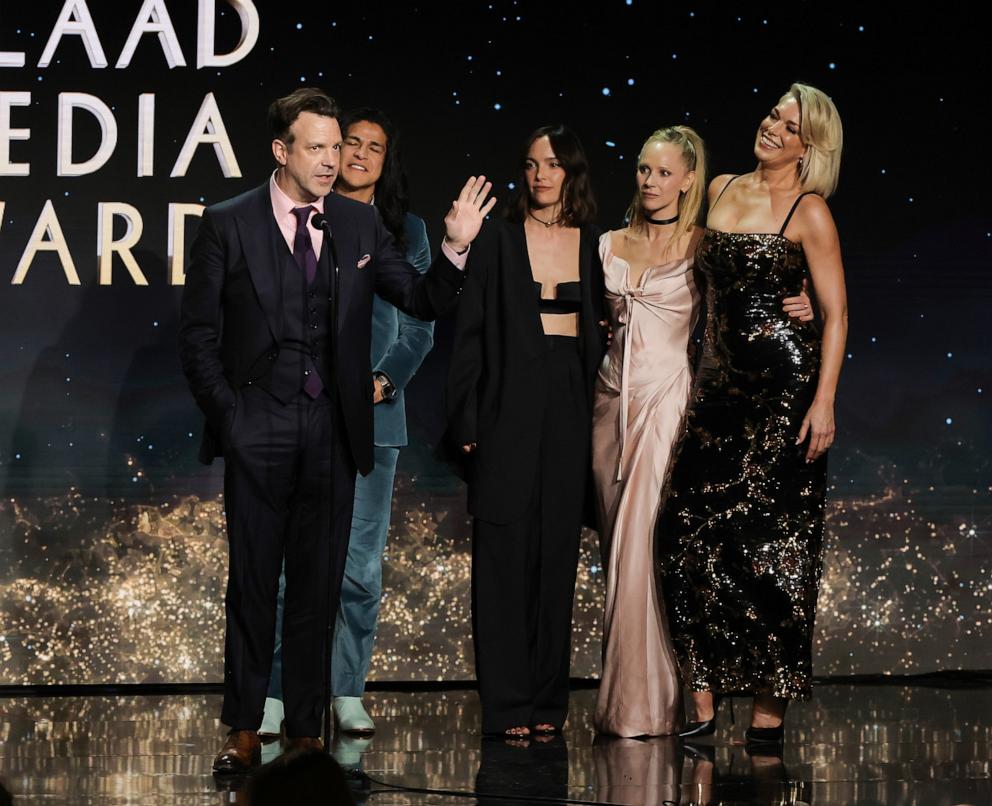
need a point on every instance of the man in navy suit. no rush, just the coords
(255, 340)
(371, 172)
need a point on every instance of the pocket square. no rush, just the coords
(365, 259)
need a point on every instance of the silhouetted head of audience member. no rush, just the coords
(307, 777)
(6, 799)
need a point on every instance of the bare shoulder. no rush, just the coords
(814, 219)
(717, 184)
(814, 208)
(618, 239)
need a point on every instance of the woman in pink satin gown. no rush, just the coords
(641, 395)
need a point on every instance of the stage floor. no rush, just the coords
(852, 744)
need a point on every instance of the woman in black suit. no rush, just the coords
(527, 348)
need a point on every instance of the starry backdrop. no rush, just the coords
(112, 551)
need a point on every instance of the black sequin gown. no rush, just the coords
(740, 536)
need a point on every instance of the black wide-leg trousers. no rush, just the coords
(278, 479)
(523, 573)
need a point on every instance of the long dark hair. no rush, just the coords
(391, 198)
(578, 205)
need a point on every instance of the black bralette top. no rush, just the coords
(567, 299)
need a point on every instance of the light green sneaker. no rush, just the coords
(351, 717)
(271, 719)
(347, 750)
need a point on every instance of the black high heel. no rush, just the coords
(700, 752)
(708, 726)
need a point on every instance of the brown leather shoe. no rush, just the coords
(301, 743)
(240, 752)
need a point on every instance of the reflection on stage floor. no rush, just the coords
(851, 744)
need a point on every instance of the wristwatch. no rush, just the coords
(389, 391)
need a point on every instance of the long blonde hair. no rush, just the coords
(823, 136)
(690, 202)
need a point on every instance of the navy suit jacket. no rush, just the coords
(230, 325)
(400, 343)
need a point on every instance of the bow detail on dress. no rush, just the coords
(629, 298)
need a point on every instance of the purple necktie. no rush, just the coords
(307, 260)
(303, 245)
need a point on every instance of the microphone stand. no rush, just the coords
(320, 222)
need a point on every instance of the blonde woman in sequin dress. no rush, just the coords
(741, 532)
(641, 394)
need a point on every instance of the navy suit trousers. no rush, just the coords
(278, 478)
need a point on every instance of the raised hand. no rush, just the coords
(464, 219)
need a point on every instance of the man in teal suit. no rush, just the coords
(370, 172)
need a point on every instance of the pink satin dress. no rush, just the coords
(641, 396)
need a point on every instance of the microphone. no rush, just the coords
(319, 221)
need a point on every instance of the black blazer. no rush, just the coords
(496, 378)
(230, 323)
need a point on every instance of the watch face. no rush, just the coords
(388, 390)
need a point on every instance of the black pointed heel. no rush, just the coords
(708, 726)
(700, 752)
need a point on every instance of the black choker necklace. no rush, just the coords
(664, 221)
(548, 224)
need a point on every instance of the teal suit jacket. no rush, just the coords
(399, 344)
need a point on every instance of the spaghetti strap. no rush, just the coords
(795, 204)
(724, 191)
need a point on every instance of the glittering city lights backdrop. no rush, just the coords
(118, 121)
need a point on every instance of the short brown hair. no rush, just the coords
(283, 111)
